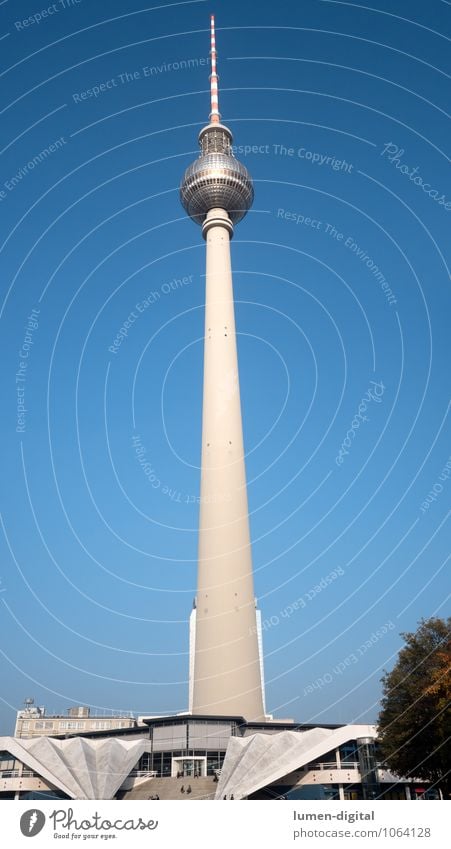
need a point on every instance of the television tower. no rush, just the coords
(216, 192)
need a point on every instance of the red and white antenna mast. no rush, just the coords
(215, 117)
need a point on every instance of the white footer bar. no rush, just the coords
(215, 825)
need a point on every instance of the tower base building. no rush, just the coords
(195, 757)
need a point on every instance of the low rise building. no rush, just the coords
(34, 721)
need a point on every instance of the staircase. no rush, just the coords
(171, 788)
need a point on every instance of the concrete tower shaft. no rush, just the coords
(227, 677)
(217, 192)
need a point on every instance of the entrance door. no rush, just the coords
(189, 767)
(192, 768)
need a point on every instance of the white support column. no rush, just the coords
(227, 678)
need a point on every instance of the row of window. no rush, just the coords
(40, 725)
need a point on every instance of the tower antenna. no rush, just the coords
(215, 117)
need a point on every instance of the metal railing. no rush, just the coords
(16, 773)
(331, 765)
(142, 773)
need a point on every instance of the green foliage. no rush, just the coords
(415, 720)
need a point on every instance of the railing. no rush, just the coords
(321, 765)
(331, 765)
(142, 773)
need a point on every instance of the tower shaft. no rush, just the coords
(227, 677)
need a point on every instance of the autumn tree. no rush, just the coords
(415, 720)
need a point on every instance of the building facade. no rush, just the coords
(33, 721)
(216, 757)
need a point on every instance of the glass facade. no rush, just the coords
(324, 792)
(161, 762)
(215, 140)
(43, 794)
(194, 747)
(368, 767)
(349, 754)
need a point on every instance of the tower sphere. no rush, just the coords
(216, 179)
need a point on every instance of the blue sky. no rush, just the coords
(341, 285)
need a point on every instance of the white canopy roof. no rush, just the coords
(81, 768)
(260, 759)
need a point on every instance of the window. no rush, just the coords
(156, 763)
(214, 762)
(145, 763)
(39, 724)
(352, 792)
(166, 764)
(349, 752)
(8, 765)
(43, 794)
(6, 761)
(331, 791)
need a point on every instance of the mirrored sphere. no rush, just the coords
(216, 180)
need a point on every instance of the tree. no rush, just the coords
(415, 721)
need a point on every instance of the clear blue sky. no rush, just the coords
(100, 112)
